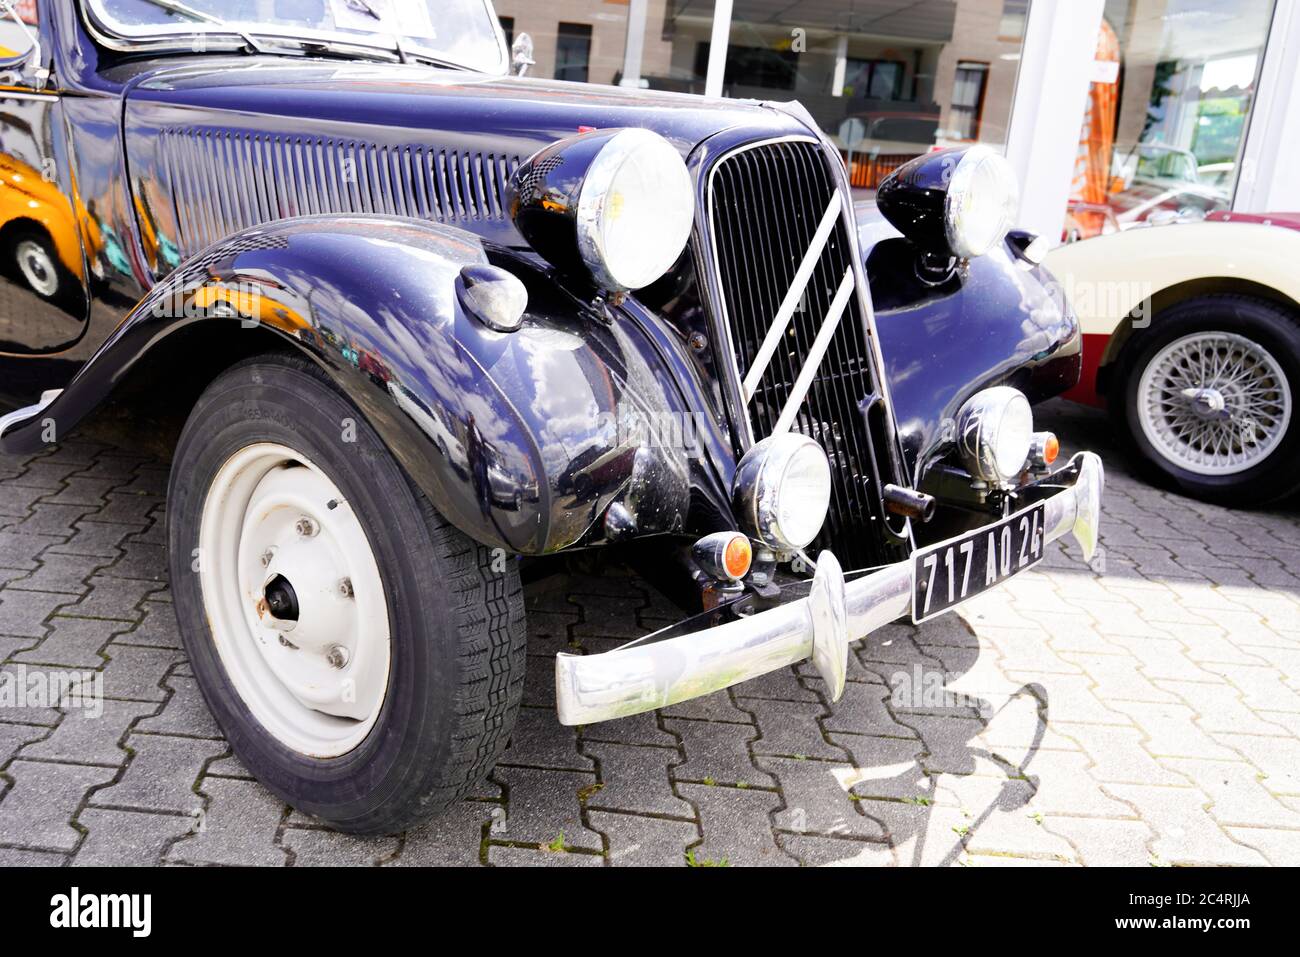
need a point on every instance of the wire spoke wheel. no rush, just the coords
(1214, 403)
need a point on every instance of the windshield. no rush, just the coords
(460, 32)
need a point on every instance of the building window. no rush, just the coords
(753, 66)
(968, 99)
(874, 79)
(508, 28)
(572, 51)
(1011, 29)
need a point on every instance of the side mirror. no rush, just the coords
(521, 54)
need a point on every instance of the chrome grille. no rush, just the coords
(771, 208)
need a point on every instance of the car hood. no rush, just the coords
(529, 111)
(219, 144)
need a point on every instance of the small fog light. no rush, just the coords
(724, 555)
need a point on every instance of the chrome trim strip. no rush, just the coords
(648, 674)
(9, 420)
(816, 353)
(802, 276)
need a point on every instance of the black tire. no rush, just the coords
(457, 626)
(1268, 324)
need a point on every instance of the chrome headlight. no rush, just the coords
(982, 202)
(954, 202)
(618, 204)
(995, 429)
(781, 491)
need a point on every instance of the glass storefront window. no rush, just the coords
(888, 81)
(1173, 86)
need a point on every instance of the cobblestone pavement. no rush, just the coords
(1149, 716)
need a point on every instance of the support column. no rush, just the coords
(1268, 182)
(1047, 113)
(632, 52)
(841, 65)
(718, 42)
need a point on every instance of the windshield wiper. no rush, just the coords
(184, 10)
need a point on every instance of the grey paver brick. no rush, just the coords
(19, 549)
(499, 856)
(1103, 842)
(1185, 832)
(541, 805)
(112, 598)
(239, 827)
(716, 750)
(36, 811)
(317, 848)
(736, 825)
(185, 713)
(538, 740)
(161, 775)
(635, 840)
(452, 838)
(817, 801)
(95, 538)
(73, 643)
(23, 613)
(119, 838)
(814, 851)
(61, 573)
(635, 778)
(137, 673)
(791, 727)
(89, 739)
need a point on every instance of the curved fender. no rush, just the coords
(997, 321)
(522, 440)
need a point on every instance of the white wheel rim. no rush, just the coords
(1214, 403)
(316, 684)
(37, 267)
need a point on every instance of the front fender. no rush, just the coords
(997, 321)
(519, 439)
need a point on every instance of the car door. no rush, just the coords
(43, 287)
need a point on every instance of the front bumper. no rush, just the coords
(647, 674)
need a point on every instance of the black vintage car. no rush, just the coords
(407, 324)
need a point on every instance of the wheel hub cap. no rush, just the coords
(1214, 403)
(295, 600)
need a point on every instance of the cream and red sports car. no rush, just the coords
(1191, 337)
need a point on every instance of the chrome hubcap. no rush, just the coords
(295, 600)
(1214, 403)
(36, 267)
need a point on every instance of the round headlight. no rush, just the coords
(995, 429)
(618, 203)
(781, 491)
(981, 204)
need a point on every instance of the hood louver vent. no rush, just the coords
(224, 182)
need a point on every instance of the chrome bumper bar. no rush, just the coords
(647, 674)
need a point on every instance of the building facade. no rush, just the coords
(1116, 112)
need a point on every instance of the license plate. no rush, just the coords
(947, 574)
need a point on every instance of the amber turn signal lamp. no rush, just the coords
(724, 555)
(1043, 450)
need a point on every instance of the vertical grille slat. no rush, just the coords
(766, 202)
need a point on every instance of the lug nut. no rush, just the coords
(306, 527)
(345, 587)
(337, 657)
